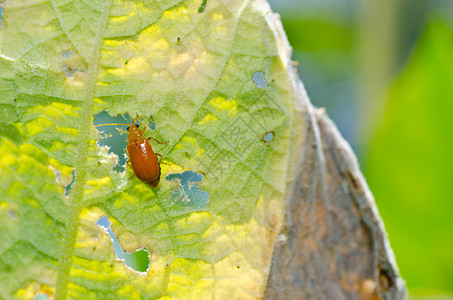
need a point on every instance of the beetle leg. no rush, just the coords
(157, 140)
(160, 155)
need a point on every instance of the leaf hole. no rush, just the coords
(152, 125)
(187, 196)
(68, 187)
(114, 137)
(41, 296)
(138, 260)
(67, 53)
(268, 137)
(260, 81)
(1, 14)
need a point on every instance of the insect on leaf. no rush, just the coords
(211, 223)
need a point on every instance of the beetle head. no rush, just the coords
(134, 133)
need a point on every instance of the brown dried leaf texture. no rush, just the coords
(334, 245)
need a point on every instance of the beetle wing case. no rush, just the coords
(144, 162)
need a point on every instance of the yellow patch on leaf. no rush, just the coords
(221, 103)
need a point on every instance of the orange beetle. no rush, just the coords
(142, 158)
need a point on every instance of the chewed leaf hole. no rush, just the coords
(187, 196)
(1, 14)
(67, 53)
(114, 136)
(68, 187)
(268, 137)
(258, 78)
(138, 260)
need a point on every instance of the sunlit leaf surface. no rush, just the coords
(189, 64)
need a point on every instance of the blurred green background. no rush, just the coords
(384, 71)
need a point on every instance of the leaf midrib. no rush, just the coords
(76, 196)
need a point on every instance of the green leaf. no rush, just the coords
(63, 62)
(411, 161)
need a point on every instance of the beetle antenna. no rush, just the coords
(111, 124)
(138, 118)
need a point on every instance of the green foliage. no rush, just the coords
(318, 34)
(411, 164)
(62, 62)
